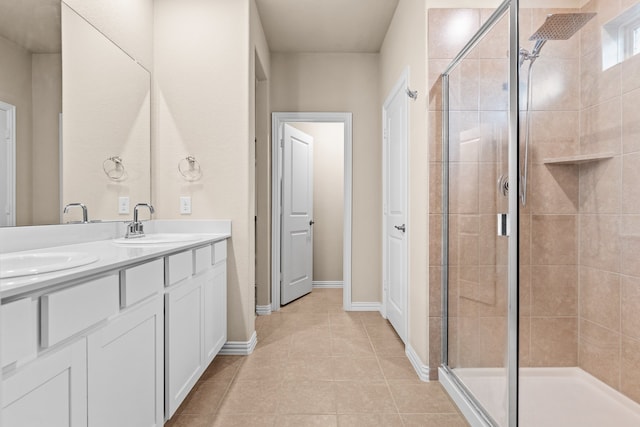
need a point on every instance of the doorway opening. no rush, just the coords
(332, 137)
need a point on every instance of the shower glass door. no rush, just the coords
(477, 253)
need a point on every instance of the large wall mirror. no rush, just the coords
(74, 112)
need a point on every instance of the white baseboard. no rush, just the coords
(365, 306)
(263, 310)
(421, 369)
(328, 284)
(240, 348)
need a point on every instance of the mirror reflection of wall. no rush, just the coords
(106, 116)
(31, 80)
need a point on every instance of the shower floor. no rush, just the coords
(553, 397)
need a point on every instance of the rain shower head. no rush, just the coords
(561, 26)
(558, 26)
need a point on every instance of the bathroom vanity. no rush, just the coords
(116, 342)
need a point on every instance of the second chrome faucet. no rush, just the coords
(136, 228)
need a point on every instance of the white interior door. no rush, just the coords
(7, 165)
(297, 215)
(395, 208)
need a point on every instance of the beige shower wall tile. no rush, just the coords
(435, 240)
(435, 342)
(631, 120)
(631, 306)
(630, 381)
(464, 86)
(630, 181)
(554, 341)
(493, 90)
(600, 353)
(554, 239)
(524, 344)
(554, 84)
(601, 186)
(630, 72)
(600, 297)
(599, 242)
(601, 128)
(492, 341)
(554, 290)
(598, 85)
(630, 245)
(463, 188)
(435, 291)
(554, 189)
(450, 29)
(435, 188)
(525, 290)
(525, 239)
(496, 43)
(554, 134)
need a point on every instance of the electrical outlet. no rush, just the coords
(185, 205)
(123, 205)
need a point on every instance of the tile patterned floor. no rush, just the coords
(317, 365)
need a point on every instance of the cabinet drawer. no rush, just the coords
(219, 251)
(179, 267)
(19, 330)
(203, 258)
(142, 281)
(74, 309)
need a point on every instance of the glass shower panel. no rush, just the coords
(478, 187)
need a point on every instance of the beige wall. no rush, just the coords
(328, 198)
(15, 89)
(345, 82)
(128, 23)
(203, 101)
(405, 47)
(106, 113)
(47, 106)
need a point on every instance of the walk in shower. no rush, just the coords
(539, 115)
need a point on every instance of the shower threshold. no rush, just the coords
(550, 397)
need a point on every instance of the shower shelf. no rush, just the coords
(578, 159)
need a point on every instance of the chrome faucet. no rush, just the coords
(85, 214)
(136, 228)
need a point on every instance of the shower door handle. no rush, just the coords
(503, 224)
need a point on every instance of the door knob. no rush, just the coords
(400, 227)
(312, 222)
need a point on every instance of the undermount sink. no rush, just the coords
(17, 265)
(158, 239)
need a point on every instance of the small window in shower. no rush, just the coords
(621, 37)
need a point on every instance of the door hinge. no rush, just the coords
(282, 142)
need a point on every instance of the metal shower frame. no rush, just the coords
(472, 409)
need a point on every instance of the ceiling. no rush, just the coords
(326, 25)
(32, 24)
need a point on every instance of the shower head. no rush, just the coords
(558, 26)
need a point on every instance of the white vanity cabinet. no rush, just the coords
(99, 359)
(125, 371)
(195, 318)
(49, 391)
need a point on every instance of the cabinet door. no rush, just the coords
(215, 311)
(183, 341)
(126, 369)
(50, 391)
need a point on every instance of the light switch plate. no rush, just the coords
(123, 205)
(185, 205)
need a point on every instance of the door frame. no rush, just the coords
(278, 119)
(11, 164)
(399, 89)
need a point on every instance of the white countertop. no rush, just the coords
(111, 257)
